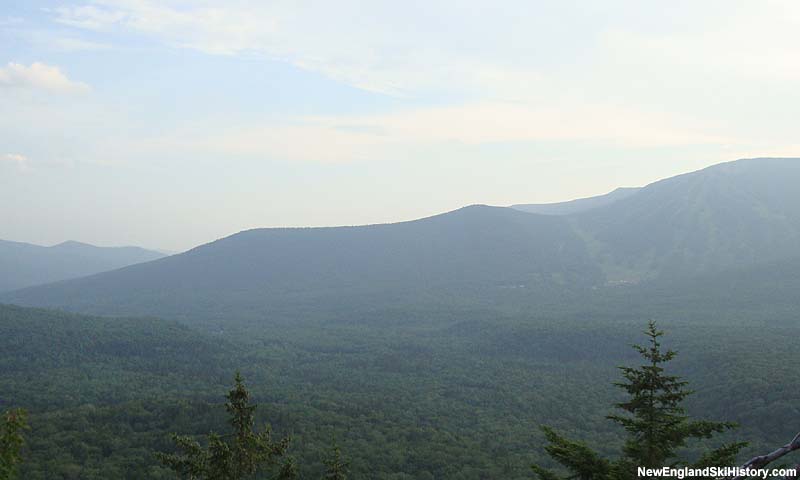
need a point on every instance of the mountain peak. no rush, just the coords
(24, 264)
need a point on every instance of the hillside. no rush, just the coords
(476, 247)
(731, 215)
(24, 264)
(104, 393)
(121, 358)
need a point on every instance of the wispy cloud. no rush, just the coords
(89, 16)
(348, 42)
(463, 46)
(621, 75)
(40, 76)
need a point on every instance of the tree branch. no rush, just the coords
(762, 460)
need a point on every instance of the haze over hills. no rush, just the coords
(735, 215)
(475, 247)
(24, 264)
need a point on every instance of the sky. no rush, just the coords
(171, 123)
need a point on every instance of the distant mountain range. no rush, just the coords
(24, 264)
(732, 216)
(258, 269)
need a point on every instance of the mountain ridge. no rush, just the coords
(25, 264)
(258, 267)
(737, 214)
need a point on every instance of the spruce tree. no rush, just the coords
(12, 423)
(656, 424)
(288, 470)
(235, 456)
(335, 467)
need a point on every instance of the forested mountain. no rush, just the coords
(578, 205)
(476, 247)
(25, 264)
(730, 216)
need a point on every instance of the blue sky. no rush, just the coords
(171, 123)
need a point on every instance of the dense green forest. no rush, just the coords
(425, 395)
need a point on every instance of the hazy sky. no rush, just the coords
(170, 123)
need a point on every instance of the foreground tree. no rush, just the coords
(335, 467)
(235, 456)
(657, 426)
(12, 423)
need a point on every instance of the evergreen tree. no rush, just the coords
(335, 467)
(656, 424)
(235, 456)
(12, 423)
(288, 470)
